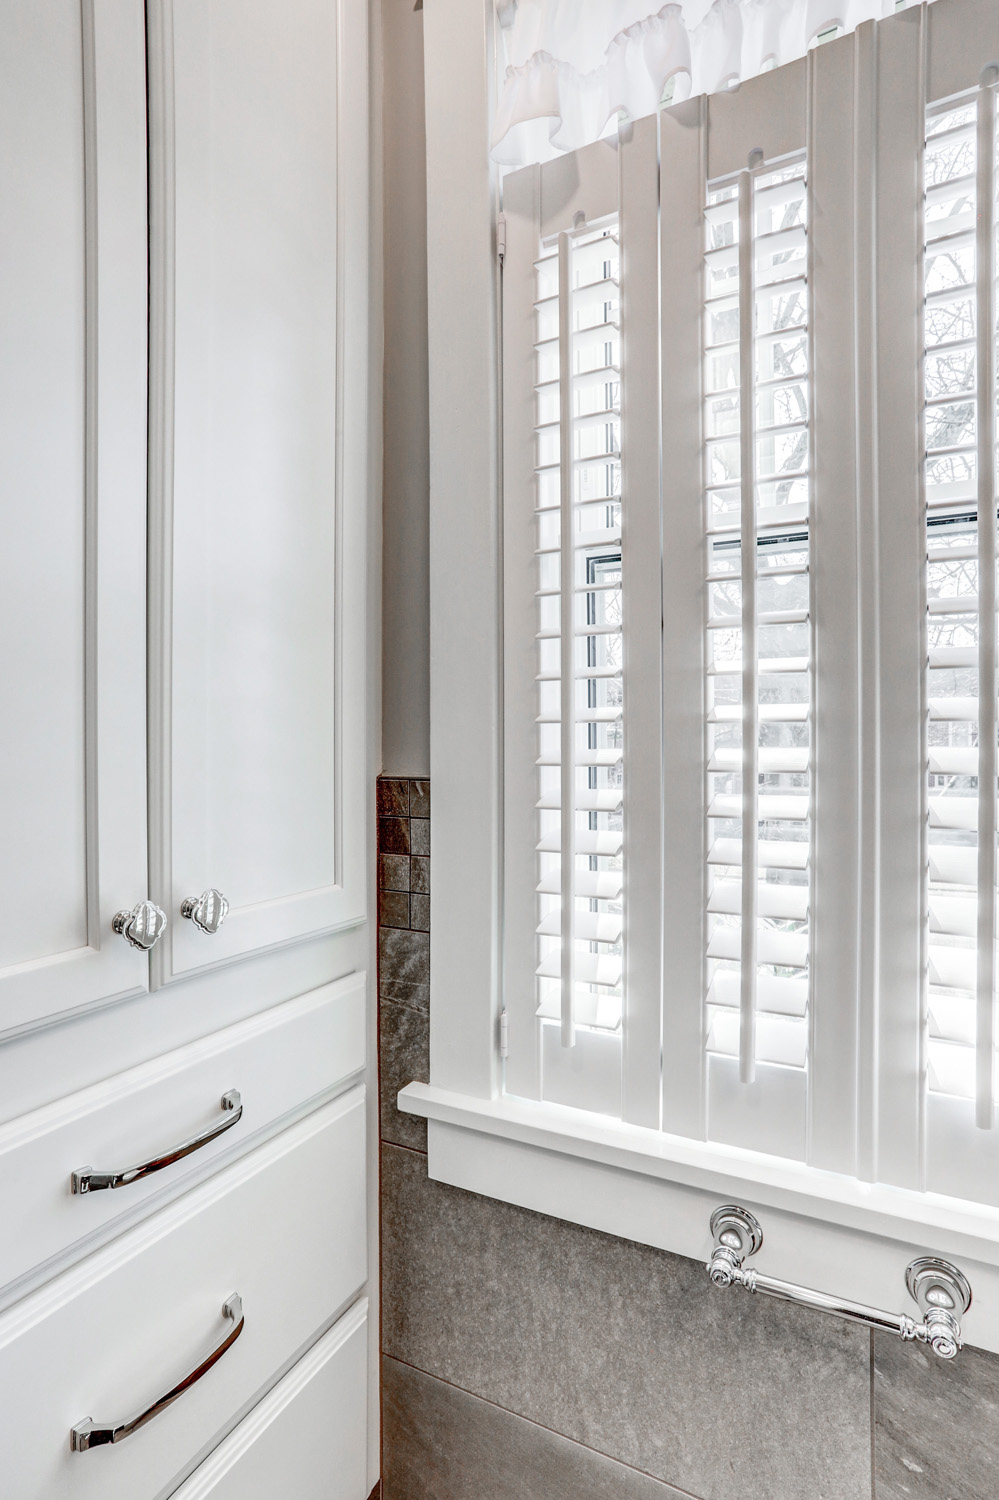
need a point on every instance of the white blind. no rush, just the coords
(580, 703)
(758, 688)
(959, 385)
(750, 652)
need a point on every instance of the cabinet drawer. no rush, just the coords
(275, 1061)
(284, 1227)
(307, 1437)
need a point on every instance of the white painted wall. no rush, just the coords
(405, 564)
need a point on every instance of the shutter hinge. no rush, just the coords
(501, 238)
(503, 1034)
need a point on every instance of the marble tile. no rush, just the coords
(420, 875)
(440, 1443)
(393, 908)
(936, 1431)
(623, 1348)
(393, 797)
(419, 799)
(403, 961)
(403, 1056)
(394, 836)
(420, 914)
(420, 835)
(401, 992)
(394, 872)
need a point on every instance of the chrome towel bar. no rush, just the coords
(940, 1290)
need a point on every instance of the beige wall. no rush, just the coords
(405, 572)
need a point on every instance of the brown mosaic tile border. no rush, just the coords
(403, 951)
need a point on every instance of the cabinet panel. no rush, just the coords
(284, 1227)
(306, 1435)
(248, 631)
(276, 1061)
(72, 479)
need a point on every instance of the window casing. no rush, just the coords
(811, 1085)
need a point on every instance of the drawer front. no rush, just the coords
(307, 1437)
(284, 1227)
(275, 1061)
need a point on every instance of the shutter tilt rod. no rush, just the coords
(941, 1291)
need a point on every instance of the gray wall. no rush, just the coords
(406, 463)
(529, 1359)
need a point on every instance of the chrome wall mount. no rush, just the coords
(90, 1434)
(143, 926)
(207, 911)
(86, 1180)
(940, 1290)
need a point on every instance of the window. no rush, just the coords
(744, 942)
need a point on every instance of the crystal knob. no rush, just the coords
(207, 911)
(142, 926)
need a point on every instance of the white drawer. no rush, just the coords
(276, 1061)
(306, 1438)
(284, 1227)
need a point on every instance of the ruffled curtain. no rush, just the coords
(575, 66)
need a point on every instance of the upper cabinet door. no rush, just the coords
(72, 501)
(254, 630)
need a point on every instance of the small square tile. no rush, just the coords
(419, 875)
(403, 959)
(393, 798)
(393, 872)
(393, 908)
(403, 991)
(420, 913)
(419, 799)
(403, 1057)
(393, 836)
(420, 835)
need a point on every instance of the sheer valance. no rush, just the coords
(574, 66)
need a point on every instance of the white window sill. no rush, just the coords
(834, 1233)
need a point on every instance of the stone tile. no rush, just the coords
(419, 799)
(622, 1347)
(936, 1432)
(420, 915)
(399, 992)
(403, 959)
(420, 835)
(393, 836)
(393, 797)
(393, 908)
(403, 1057)
(394, 872)
(420, 876)
(440, 1443)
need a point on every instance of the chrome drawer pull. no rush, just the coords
(86, 1180)
(91, 1434)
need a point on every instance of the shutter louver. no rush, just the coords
(959, 398)
(759, 653)
(580, 719)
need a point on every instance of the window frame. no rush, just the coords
(827, 1226)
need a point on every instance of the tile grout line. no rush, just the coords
(520, 1417)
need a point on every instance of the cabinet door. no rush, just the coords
(72, 501)
(252, 627)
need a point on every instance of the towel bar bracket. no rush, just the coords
(941, 1292)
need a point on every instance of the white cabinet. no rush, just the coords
(72, 485)
(185, 699)
(255, 625)
(284, 1228)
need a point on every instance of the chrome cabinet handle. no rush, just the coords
(91, 1434)
(143, 926)
(207, 911)
(86, 1180)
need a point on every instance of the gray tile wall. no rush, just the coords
(525, 1358)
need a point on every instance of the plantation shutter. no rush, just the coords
(749, 570)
